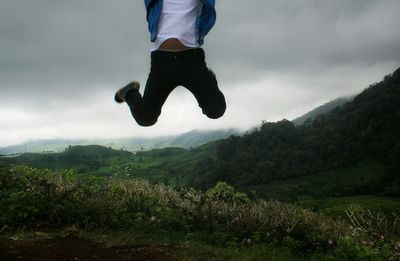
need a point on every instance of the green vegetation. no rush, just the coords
(337, 206)
(361, 178)
(171, 166)
(363, 131)
(327, 189)
(80, 158)
(32, 197)
(215, 223)
(186, 140)
(168, 165)
(327, 107)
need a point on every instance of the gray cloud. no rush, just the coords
(308, 35)
(51, 45)
(58, 54)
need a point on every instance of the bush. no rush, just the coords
(31, 198)
(222, 192)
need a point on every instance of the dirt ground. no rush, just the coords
(72, 248)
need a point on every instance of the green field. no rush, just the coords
(358, 179)
(338, 205)
(168, 165)
(219, 224)
(330, 192)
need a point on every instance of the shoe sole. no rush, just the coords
(118, 98)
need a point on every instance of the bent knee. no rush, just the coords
(215, 113)
(147, 122)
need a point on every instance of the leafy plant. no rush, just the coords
(221, 216)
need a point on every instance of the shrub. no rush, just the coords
(31, 198)
(226, 193)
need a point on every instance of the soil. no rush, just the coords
(72, 248)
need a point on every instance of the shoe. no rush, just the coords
(120, 95)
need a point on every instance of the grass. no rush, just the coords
(195, 249)
(198, 251)
(183, 249)
(219, 224)
(32, 197)
(338, 205)
(339, 182)
(171, 166)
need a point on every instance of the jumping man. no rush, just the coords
(177, 29)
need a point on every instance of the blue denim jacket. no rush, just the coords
(204, 22)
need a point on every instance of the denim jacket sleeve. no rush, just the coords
(204, 23)
(153, 13)
(206, 20)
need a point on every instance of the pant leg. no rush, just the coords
(204, 86)
(160, 83)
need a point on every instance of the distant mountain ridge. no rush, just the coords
(170, 165)
(80, 158)
(354, 149)
(186, 140)
(327, 107)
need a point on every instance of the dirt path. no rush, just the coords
(74, 249)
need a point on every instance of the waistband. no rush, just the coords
(163, 55)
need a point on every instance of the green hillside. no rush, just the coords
(361, 178)
(337, 173)
(82, 159)
(186, 140)
(37, 207)
(171, 166)
(337, 206)
(168, 165)
(352, 150)
(325, 108)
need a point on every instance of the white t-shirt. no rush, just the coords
(178, 20)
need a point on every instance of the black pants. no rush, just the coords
(169, 70)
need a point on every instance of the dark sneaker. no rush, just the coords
(120, 95)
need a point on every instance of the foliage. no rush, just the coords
(222, 217)
(327, 107)
(28, 195)
(226, 193)
(168, 165)
(374, 236)
(374, 225)
(363, 178)
(31, 197)
(366, 128)
(337, 206)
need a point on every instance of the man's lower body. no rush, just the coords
(169, 70)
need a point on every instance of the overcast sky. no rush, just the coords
(62, 61)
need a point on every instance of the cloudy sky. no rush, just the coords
(62, 61)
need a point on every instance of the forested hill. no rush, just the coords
(82, 158)
(327, 107)
(187, 140)
(366, 129)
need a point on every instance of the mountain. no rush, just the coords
(353, 149)
(80, 158)
(197, 138)
(170, 165)
(327, 107)
(186, 140)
